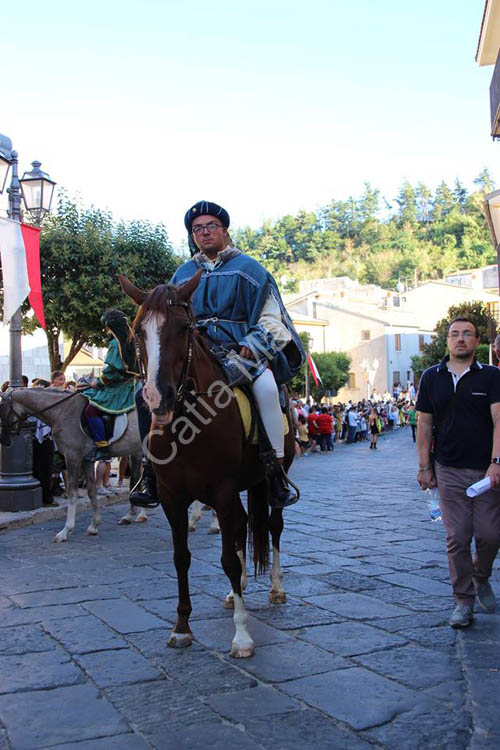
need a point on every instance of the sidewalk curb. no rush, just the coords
(24, 518)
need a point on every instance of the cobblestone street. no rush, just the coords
(361, 656)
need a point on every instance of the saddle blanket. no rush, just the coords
(246, 416)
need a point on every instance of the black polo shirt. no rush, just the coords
(463, 428)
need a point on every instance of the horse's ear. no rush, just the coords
(135, 294)
(187, 290)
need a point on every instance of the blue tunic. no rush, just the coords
(228, 303)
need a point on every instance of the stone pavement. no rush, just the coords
(361, 655)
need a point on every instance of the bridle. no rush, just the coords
(14, 427)
(186, 366)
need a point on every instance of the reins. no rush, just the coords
(20, 420)
(184, 377)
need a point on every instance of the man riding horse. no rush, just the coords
(113, 392)
(238, 306)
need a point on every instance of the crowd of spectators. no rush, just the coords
(319, 427)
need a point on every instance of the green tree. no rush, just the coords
(333, 368)
(82, 251)
(435, 350)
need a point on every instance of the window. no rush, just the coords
(395, 377)
(421, 341)
(352, 381)
(396, 301)
(397, 341)
(408, 376)
(365, 335)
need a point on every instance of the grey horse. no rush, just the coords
(62, 409)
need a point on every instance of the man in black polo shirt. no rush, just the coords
(458, 442)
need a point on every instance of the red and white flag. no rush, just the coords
(314, 370)
(20, 254)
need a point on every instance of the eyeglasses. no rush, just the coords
(210, 227)
(464, 335)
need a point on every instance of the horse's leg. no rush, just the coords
(214, 527)
(228, 507)
(277, 594)
(194, 515)
(176, 512)
(134, 512)
(88, 468)
(73, 469)
(241, 547)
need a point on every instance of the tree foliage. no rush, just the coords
(421, 234)
(81, 253)
(435, 350)
(333, 368)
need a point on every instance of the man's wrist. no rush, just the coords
(425, 468)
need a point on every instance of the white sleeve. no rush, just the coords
(270, 319)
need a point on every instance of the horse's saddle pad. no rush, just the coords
(246, 416)
(117, 422)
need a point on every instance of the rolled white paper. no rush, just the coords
(478, 488)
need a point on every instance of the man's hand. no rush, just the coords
(426, 479)
(246, 353)
(494, 474)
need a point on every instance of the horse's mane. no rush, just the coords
(155, 302)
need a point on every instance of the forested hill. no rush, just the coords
(376, 241)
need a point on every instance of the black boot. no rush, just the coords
(102, 451)
(280, 494)
(144, 493)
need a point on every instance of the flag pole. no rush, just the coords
(19, 490)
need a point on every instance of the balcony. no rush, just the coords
(495, 101)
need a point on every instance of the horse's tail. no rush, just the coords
(258, 523)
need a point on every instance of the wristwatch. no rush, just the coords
(495, 460)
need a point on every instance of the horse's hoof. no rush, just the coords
(180, 640)
(229, 602)
(124, 521)
(92, 531)
(141, 519)
(206, 507)
(277, 597)
(60, 537)
(244, 651)
(213, 530)
(192, 528)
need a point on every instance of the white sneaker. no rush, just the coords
(111, 489)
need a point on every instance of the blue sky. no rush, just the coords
(265, 107)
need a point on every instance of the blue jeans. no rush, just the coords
(351, 434)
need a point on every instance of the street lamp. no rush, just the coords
(19, 490)
(37, 189)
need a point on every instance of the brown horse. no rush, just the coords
(199, 450)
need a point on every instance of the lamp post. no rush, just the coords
(19, 490)
(371, 371)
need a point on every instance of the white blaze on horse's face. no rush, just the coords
(151, 328)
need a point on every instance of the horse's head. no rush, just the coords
(164, 327)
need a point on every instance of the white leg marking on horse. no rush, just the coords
(94, 502)
(229, 600)
(142, 515)
(214, 527)
(180, 640)
(277, 594)
(62, 536)
(194, 515)
(242, 646)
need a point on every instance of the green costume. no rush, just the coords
(115, 390)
